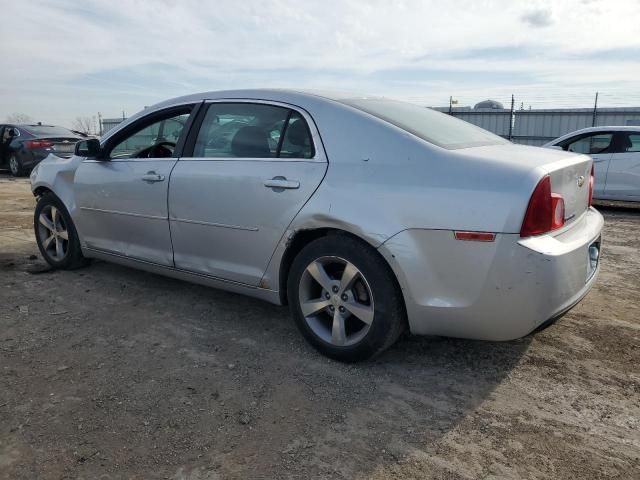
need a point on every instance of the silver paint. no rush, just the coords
(221, 222)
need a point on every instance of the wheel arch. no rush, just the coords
(41, 190)
(302, 238)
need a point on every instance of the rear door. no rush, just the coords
(598, 146)
(248, 168)
(122, 199)
(623, 176)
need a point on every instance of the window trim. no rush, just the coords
(319, 154)
(113, 140)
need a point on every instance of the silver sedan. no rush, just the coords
(367, 216)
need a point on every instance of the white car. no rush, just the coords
(616, 158)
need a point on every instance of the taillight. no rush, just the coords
(31, 144)
(545, 211)
(592, 180)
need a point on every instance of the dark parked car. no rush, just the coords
(22, 147)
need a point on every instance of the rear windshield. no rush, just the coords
(46, 131)
(434, 127)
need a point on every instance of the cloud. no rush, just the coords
(538, 18)
(61, 58)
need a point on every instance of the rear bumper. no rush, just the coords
(492, 290)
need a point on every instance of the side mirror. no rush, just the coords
(12, 132)
(88, 148)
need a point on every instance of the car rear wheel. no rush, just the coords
(15, 166)
(56, 235)
(344, 299)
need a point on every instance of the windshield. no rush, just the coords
(46, 131)
(434, 127)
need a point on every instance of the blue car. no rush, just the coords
(22, 147)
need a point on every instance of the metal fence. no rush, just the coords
(108, 123)
(537, 127)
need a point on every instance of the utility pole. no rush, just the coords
(511, 119)
(99, 124)
(595, 111)
(451, 103)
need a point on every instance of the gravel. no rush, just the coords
(112, 373)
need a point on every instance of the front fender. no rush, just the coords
(57, 174)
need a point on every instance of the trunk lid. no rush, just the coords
(569, 172)
(63, 147)
(571, 180)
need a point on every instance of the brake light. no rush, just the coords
(592, 180)
(545, 211)
(31, 144)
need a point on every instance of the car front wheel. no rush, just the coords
(344, 298)
(56, 235)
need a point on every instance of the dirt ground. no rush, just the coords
(112, 373)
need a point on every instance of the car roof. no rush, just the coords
(300, 98)
(274, 94)
(606, 128)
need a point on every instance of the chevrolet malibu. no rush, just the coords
(367, 216)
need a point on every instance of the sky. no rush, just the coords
(64, 59)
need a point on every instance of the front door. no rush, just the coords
(246, 172)
(122, 199)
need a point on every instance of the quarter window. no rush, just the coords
(251, 130)
(634, 142)
(155, 140)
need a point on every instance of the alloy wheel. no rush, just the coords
(336, 301)
(53, 233)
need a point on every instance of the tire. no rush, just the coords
(15, 166)
(60, 249)
(373, 293)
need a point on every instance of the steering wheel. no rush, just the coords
(161, 150)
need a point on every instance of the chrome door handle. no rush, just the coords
(152, 177)
(595, 160)
(281, 182)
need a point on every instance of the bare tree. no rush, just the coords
(84, 125)
(19, 118)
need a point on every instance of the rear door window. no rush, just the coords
(297, 139)
(252, 130)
